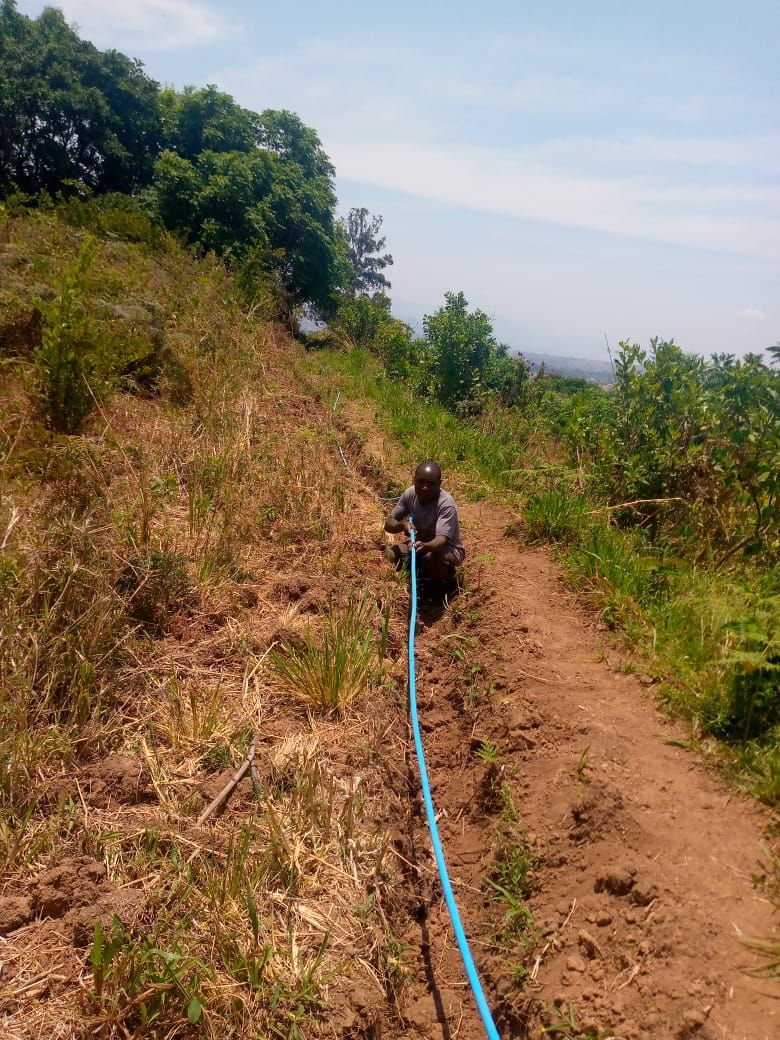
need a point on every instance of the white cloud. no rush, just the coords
(502, 181)
(750, 151)
(160, 25)
(752, 314)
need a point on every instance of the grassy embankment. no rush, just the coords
(690, 624)
(190, 516)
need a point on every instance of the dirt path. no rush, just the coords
(647, 856)
(643, 855)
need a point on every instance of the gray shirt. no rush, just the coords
(431, 519)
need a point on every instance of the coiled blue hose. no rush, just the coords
(460, 935)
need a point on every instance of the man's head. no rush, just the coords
(427, 481)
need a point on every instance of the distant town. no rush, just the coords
(583, 368)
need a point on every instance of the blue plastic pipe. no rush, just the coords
(460, 935)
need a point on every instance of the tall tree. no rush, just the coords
(364, 250)
(69, 112)
(271, 207)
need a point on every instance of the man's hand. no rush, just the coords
(393, 526)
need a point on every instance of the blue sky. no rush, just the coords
(576, 169)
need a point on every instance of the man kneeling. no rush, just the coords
(437, 531)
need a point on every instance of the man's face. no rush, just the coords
(426, 485)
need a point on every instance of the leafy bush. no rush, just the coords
(360, 317)
(694, 444)
(367, 321)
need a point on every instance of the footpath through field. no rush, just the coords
(644, 855)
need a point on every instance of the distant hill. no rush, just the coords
(584, 368)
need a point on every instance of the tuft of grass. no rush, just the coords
(331, 672)
(139, 985)
(554, 514)
(563, 1022)
(511, 883)
(583, 764)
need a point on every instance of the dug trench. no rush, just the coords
(604, 873)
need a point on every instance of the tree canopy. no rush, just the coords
(69, 112)
(256, 188)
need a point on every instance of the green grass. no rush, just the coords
(490, 453)
(330, 672)
(511, 884)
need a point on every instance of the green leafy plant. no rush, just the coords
(509, 879)
(753, 662)
(331, 672)
(488, 753)
(564, 1023)
(138, 982)
(73, 369)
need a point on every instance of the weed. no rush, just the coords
(137, 983)
(154, 583)
(330, 674)
(394, 960)
(509, 879)
(72, 370)
(554, 514)
(564, 1023)
(509, 813)
(488, 753)
(583, 764)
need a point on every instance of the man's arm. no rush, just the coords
(398, 521)
(434, 545)
(393, 526)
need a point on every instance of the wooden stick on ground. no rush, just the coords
(232, 783)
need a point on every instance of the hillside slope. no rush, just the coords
(163, 569)
(196, 521)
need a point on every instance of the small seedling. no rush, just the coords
(566, 1024)
(488, 753)
(583, 764)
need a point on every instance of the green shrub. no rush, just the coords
(73, 369)
(751, 708)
